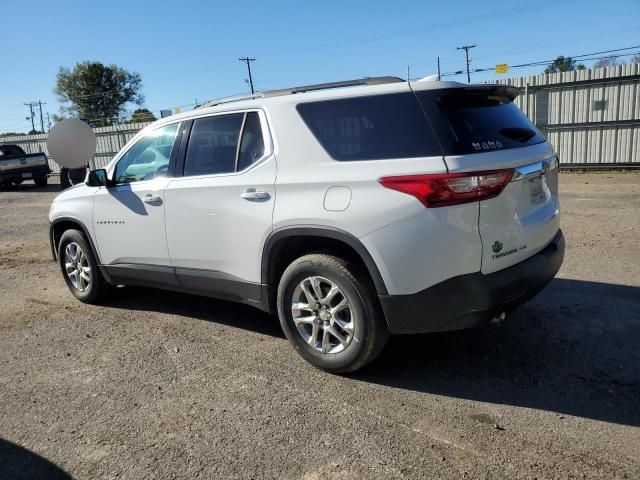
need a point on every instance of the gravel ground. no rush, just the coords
(163, 385)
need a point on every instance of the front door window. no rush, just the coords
(149, 157)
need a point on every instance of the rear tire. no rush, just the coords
(330, 313)
(80, 269)
(40, 181)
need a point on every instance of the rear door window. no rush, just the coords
(478, 120)
(213, 145)
(371, 128)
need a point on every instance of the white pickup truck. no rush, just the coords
(17, 166)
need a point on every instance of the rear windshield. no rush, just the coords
(371, 128)
(477, 120)
(7, 150)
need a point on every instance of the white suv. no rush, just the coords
(352, 210)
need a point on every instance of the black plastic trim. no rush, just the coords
(142, 275)
(208, 283)
(219, 284)
(177, 161)
(322, 232)
(469, 300)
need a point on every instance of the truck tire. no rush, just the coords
(40, 181)
(330, 312)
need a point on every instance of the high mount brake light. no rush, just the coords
(439, 190)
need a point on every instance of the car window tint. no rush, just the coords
(371, 128)
(148, 157)
(478, 120)
(213, 145)
(252, 144)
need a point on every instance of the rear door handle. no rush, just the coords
(253, 194)
(153, 199)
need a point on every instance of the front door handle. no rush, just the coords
(152, 199)
(253, 194)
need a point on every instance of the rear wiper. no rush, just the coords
(518, 134)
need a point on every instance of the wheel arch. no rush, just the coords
(57, 228)
(318, 237)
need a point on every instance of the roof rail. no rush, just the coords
(326, 86)
(302, 89)
(234, 98)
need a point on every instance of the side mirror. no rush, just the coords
(98, 178)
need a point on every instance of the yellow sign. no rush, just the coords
(502, 68)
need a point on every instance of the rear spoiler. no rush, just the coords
(499, 93)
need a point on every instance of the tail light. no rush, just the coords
(439, 190)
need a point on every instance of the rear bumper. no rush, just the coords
(469, 300)
(38, 171)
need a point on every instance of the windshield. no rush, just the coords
(477, 120)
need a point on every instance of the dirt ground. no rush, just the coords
(163, 385)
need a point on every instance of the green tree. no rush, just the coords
(12, 134)
(140, 115)
(607, 62)
(564, 64)
(97, 92)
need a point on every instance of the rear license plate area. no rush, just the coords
(27, 175)
(536, 190)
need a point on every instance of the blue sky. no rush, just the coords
(187, 50)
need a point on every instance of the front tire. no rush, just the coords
(80, 268)
(330, 313)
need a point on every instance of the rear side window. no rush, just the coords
(477, 120)
(252, 144)
(371, 128)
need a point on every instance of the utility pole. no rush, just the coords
(438, 68)
(30, 105)
(48, 123)
(41, 118)
(248, 61)
(466, 49)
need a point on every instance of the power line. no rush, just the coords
(487, 16)
(583, 57)
(248, 62)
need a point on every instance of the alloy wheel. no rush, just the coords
(77, 268)
(322, 315)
